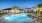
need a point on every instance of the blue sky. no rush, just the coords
(20, 3)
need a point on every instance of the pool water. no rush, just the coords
(17, 17)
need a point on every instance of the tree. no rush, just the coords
(38, 7)
(26, 9)
(15, 8)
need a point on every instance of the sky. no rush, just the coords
(20, 3)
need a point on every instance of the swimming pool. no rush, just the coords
(16, 17)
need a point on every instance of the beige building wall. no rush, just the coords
(13, 11)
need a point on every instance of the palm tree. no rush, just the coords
(38, 7)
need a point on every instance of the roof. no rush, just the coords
(10, 9)
(20, 9)
(7, 9)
